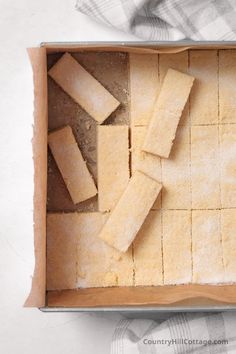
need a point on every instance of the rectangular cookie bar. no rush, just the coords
(147, 251)
(207, 247)
(228, 165)
(228, 232)
(83, 88)
(227, 89)
(144, 87)
(204, 95)
(130, 212)
(177, 246)
(167, 112)
(176, 173)
(205, 169)
(179, 62)
(71, 164)
(113, 164)
(61, 252)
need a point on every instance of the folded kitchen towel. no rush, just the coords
(166, 20)
(199, 333)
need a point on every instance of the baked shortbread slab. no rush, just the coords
(71, 164)
(130, 212)
(83, 88)
(76, 257)
(112, 164)
(167, 111)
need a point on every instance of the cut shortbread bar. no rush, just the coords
(113, 164)
(177, 246)
(144, 86)
(176, 176)
(228, 231)
(148, 251)
(207, 247)
(76, 257)
(61, 252)
(204, 95)
(143, 161)
(71, 165)
(179, 62)
(227, 88)
(167, 112)
(205, 170)
(130, 212)
(83, 88)
(228, 165)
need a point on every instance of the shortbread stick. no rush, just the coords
(177, 246)
(61, 252)
(144, 162)
(205, 169)
(207, 247)
(113, 164)
(83, 88)
(147, 251)
(167, 112)
(228, 165)
(228, 227)
(71, 165)
(176, 172)
(179, 62)
(130, 211)
(227, 89)
(144, 87)
(204, 94)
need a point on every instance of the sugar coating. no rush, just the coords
(83, 88)
(113, 164)
(130, 212)
(207, 247)
(167, 112)
(71, 164)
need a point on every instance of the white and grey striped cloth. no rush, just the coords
(166, 20)
(198, 333)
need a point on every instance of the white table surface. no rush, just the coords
(26, 23)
